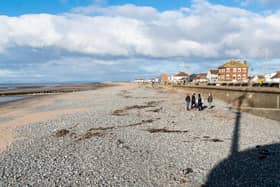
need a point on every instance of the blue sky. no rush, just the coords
(19, 7)
(104, 40)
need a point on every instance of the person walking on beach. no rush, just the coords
(210, 100)
(193, 101)
(199, 102)
(188, 100)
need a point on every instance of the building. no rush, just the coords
(276, 78)
(233, 71)
(260, 79)
(179, 77)
(164, 78)
(201, 78)
(212, 76)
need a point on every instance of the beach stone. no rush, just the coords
(129, 155)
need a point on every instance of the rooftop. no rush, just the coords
(277, 75)
(181, 74)
(201, 76)
(214, 71)
(235, 64)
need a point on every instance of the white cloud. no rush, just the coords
(202, 30)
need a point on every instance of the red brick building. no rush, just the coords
(233, 71)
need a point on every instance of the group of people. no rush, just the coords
(192, 102)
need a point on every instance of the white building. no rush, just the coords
(276, 77)
(271, 77)
(212, 76)
(201, 78)
(178, 77)
(258, 79)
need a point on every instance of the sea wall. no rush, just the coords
(260, 101)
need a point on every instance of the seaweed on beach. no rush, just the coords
(119, 112)
(155, 110)
(90, 134)
(207, 138)
(123, 112)
(101, 128)
(138, 106)
(164, 130)
(153, 103)
(61, 133)
(143, 122)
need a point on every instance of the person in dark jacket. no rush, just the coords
(210, 100)
(199, 102)
(188, 101)
(193, 101)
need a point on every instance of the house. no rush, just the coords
(258, 79)
(164, 78)
(268, 77)
(179, 77)
(191, 77)
(201, 78)
(276, 77)
(212, 75)
(233, 71)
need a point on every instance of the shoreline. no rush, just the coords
(53, 89)
(14, 114)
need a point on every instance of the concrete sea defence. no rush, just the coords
(260, 101)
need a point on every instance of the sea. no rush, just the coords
(11, 86)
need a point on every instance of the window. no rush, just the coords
(228, 69)
(244, 69)
(234, 69)
(239, 69)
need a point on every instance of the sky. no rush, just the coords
(119, 40)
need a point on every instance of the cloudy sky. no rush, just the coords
(106, 40)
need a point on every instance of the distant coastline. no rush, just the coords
(15, 92)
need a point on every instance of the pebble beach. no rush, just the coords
(131, 135)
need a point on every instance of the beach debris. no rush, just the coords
(187, 171)
(155, 110)
(164, 130)
(119, 112)
(90, 134)
(216, 140)
(102, 128)
(183, 181)
(61, 133)
(120, 142)
(100, 131)
(207, 138)
(123, 112)
(153, 103)
(143, 122)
